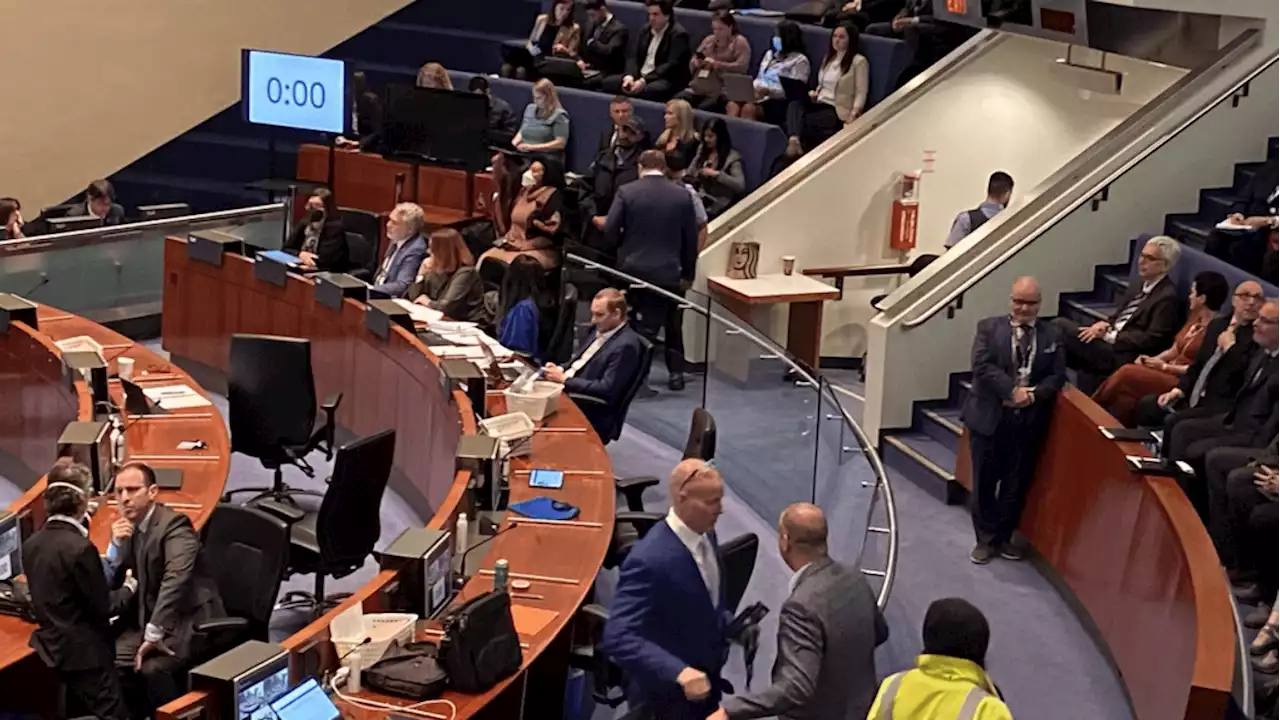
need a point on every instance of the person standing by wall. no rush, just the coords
(999, 193)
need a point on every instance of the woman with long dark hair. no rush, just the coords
(717, 168)
(518, 309)
(555, 33)
(840, 95)
(531, 225)
(320, 240)
(786, 59)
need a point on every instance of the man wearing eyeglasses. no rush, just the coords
(1019, 366)
(1143, 323)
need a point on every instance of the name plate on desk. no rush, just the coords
(270, 269)
(13, 308)
(331, 288)
(467, 373)
(382, 313)
(207, 246)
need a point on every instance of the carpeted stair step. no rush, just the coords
(941, 423)
(1088, 312)
(1217, 203)
(1191, 229)
(925, 462)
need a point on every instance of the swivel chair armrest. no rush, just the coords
(632, 488)
(220, 625)
(324, 435)
(286, 512)
(581, 398)
(641, 521)
(595, 611)
(331, 403)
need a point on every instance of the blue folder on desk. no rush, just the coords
(544, 508)
(280, 256)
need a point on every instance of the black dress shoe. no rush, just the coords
(981, 554)
(1248, 594)
(676, 382)
(1013, 550)
(1267, 664)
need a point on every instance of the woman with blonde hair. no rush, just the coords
(433, 75)
(545, 125)
(678, 133)
(450, 282)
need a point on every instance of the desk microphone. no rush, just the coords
(44, 279)
(461, 578)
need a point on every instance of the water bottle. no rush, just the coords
(500, 573)
(460, 540)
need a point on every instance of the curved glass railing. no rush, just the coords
(114, 273)
(783, 434)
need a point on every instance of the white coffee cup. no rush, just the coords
(788, 264)
(124, 368)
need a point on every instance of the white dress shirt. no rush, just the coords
(828, 79)
(592, 349)
(386, 262)
(704, 556)
(650, 58)
(795, 577)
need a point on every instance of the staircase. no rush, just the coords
(1215, 203)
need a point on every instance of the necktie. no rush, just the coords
(1022, 337)
(139, 540)
(1129, 310)
(386, 264)
(710, 571)
(1202, 380)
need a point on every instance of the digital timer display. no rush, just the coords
(294, 91)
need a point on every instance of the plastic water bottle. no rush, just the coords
(460, 540)
(117, 441)
(501, 570)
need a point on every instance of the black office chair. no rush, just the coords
(591, 406)
(701, 443)
(492, 271)
(560, 344)
(628, 527)
(608, 682)
(360, 255)
(369, 225)
(737, 562)
(246, 552)
(272, 399)
(336, 540)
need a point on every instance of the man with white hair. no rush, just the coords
(1144, 322)
(406, 249)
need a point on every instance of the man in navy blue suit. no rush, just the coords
(406, 249)
(605, 365)
(666, 629)
(1019, 365)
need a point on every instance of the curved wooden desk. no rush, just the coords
(1133, 552)
(395, 383)
(39, 405)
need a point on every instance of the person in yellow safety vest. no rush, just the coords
(948, 682)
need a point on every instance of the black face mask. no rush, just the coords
(316, 216)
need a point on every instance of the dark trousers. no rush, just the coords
(1004, 464)
(161, 679)
(1093, 361)
(1245, 250)
(659, 90)
(812, 122)
(653, 312)
(96, 692)
(1260, 547)
(1191, 440)
(1232, 497)
(1149, 414)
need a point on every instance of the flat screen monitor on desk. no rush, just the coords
(10, 547)
(444, 127)
(437, 567)
(255, 689)
(74, 222)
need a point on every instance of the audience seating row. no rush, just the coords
(886, 57)
(1194, 261)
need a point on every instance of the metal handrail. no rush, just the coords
(1062, 193)
(882, 477)
(880, 114)
(128, 230)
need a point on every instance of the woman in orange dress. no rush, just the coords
(1149, 375)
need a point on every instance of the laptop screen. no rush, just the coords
(305, 702)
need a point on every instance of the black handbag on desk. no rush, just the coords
(480, 645)
(410, 671)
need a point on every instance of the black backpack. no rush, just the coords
(480, 645)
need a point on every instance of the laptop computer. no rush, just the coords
(136, 402)
(562, 68)
(738, 88)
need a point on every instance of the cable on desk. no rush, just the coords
(406, 709)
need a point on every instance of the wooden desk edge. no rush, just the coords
(816, 296)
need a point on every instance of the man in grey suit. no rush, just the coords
(828, 631)
(406, 249)
(652, 224)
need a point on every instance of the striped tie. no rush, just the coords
(1129, 310)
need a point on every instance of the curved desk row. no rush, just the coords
(395, 383)
(1133, 552)
(38, 405)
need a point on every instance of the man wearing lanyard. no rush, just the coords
(70, 599)
(1018, 368)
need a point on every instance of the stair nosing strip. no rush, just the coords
(1086, 309)
(944, 422)
(916, 455)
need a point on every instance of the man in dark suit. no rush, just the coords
(1144, 322)
(1251, 422)
(70, 599)
(1232, 479)
(1256, 210)
(828, 630)
(1018, 368)
(654, 227)
(406, 249)
(658, 66)
(100, 202)
(604, 44)
(666, 628)
(605, 365)
(159, 547)
(1210, 384)
(622, 113)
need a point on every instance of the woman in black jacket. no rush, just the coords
(319, 240)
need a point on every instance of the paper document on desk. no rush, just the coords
(79, 343)
(466, 352)
(176, 397)
(419, 313)
(1228, 225)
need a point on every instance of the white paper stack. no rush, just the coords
(420, 313)
(176, 397)
(79, 343)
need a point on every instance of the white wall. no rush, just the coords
(93, 86)
(1004, 110)
(910, 364)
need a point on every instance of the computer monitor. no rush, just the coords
(437, 571)
(164, 211)
(447, 127)
(77, 222)
(305, 702)
(255, 689)
(10, 546)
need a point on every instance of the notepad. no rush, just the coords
(176, 397)
(530, 621)
(1230, 226)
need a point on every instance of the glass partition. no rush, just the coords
(114, 272)
(782, 434)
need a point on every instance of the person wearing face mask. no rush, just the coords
(999, 193)
(544, 128)
(786, 59)
(70, 597)
(554, 33)
(319, 239)
(534, 219)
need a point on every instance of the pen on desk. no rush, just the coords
(528, 596)
(568, 523)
